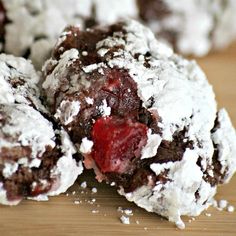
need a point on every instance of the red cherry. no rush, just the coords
(117, 142)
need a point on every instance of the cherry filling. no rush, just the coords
(2, 21)
(117, 143)
(118, 139)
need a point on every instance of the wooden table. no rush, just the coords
(64, 216)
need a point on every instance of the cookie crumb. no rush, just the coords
(180, 224)
(208, 214)
(125, 220)
(83, 185)
(214, 203)
(128, 212)
(95, 211)
(94, 190)
(77, 202)
(120, 209)
(223, 204)
(230, 208)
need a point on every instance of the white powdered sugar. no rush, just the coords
(67, 111)
(52, 84)
(20, 126)
(104, 108)
(193, 21)
(153, 142)
(177, 197)
(9, 169)
(86, 146)
(89, 100)
(18, 81)
(67, 169)
(223, 204)
(225, 138)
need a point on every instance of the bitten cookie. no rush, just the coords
(36, 159)
(142, 117)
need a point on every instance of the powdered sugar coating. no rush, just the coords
(20, 127)
(150, 149)
(177, 92)
(18, 81)
(224, 138)
(67, 111)
(66, 170)
(177, 196)
(86, 146)
(67, 59)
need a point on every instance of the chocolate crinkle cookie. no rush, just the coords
(142, 117)
(193, 26)
(36, 158)
(30, 27)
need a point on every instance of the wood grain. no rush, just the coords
(61, 216)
